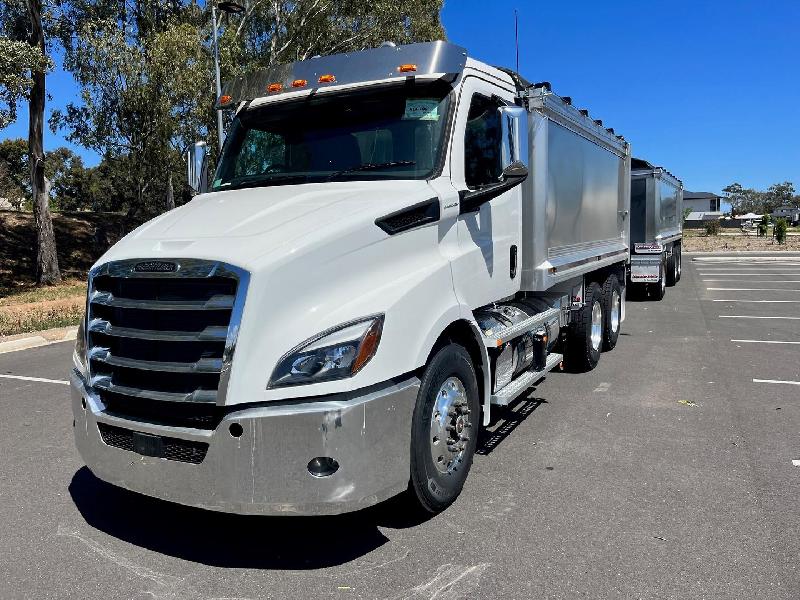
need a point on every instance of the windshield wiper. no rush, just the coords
(257, 181)
(373, 167)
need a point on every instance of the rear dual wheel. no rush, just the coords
(612, 315)
(585, 337)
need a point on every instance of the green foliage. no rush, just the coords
(780, 230)
(17, 60)
(686, 213)
(145, 69)
(744, 200)
(712, 227)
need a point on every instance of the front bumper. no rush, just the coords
(264, 471)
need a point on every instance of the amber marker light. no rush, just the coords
(274, 87)
(298, 83)
(226, 99)
(369, 345)
(328, 78)
(407, 68)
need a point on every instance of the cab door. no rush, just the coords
(486, 267)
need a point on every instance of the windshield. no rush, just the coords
(393, 133)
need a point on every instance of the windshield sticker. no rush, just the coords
(421, 110)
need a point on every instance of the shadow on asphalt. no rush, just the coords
(225, 540)
(506, 421)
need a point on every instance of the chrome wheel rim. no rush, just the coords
(451, 427)
(615, 310)
(663, 280)
(678, 263)
(597, 325)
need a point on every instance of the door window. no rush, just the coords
(482, 142)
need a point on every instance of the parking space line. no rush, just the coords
(37, 379)
(757, 317)
(757, 301)
(754, 280)
(796, 463)
(776, 381)
(716, 289)
(763, 342)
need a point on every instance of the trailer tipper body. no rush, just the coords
(394, 243)
(656, 227)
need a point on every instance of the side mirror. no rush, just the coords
(514, 131)
(197, 159)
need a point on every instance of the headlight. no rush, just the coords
(79, 354)
(338, 353)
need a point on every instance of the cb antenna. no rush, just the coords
(516, 37)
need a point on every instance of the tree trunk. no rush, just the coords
(47, 272)
(170, 194)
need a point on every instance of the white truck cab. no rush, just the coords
(393, 242)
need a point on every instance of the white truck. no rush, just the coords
(394, 242)
(656, 229)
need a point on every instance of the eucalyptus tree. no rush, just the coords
(24, 63)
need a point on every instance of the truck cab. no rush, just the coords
(331, 319)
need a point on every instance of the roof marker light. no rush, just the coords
(298, 83)
(274, 87)
(327, 78)
(224, 100)
(407, 68)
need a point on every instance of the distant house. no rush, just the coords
(697, 219)
(702, 201)
(791, 213)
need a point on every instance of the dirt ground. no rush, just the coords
(80, 240)
(735, 241)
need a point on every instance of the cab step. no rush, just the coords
(509, 393)
(499, 337)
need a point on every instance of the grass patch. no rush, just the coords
(24, 309)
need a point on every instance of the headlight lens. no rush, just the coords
(335, 354)
(79, 354)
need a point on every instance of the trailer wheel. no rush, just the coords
(586, 332)
(612, 312)
(672, 268)
(444, 429)
(678, 263)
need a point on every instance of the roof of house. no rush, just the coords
(699, 195)
(709, 215)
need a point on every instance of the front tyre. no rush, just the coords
(444, 429)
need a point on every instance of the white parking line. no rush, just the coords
(38, 379)
(755, 317)
(796, 463)
(753, 280)
(763, 342)
(757, 301)
(732, 272)
(776, 381)
(716, 289)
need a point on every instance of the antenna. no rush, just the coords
(516, 37)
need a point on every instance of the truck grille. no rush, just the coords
(160, 338)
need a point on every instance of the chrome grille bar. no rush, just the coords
(209, 334)
(204, 365)
(218, 302)
(201, 396)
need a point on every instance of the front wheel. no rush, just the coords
(444, 433)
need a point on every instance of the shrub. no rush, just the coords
(780, 230)
(712, 227)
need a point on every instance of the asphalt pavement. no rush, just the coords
(667, 472)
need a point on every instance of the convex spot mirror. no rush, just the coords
(197, 159)
(514, 144)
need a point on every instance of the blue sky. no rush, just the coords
(710, 90)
